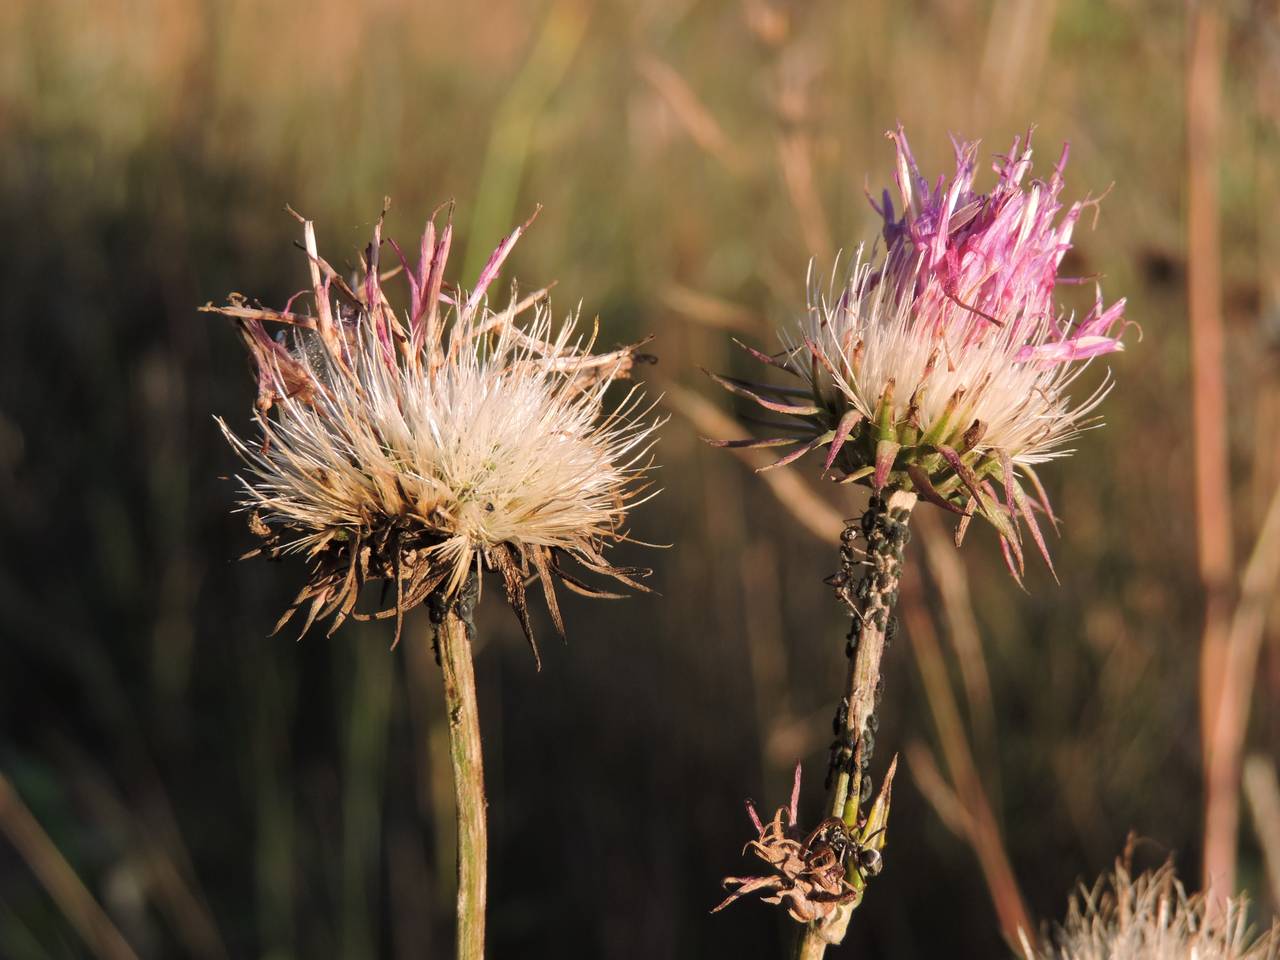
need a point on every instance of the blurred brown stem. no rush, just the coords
(1262, 788)
(809, 509)
(160, 853)
(767, 655)
(691, 113)
(59, 880)
(795, 156)
(454, 638)
(965, 809)
(1236, 677)
(1209, 412)
(952, 583)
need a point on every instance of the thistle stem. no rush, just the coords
(455, 630)
(813, 945)
(871, 601)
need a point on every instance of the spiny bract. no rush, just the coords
(415, 452)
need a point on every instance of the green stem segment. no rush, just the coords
(454, 633)
(884, 527)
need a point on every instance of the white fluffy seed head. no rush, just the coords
(419, 452)
(501, 445)
(1151, 917)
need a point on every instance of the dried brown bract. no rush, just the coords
(813, 872)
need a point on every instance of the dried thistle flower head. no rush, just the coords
(814, 872)
(944, 366)
(418, 450)
(1151, 917)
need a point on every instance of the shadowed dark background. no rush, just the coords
(226, 793)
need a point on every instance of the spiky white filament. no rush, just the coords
(872, 337)
(1151, 917)
(505, 442)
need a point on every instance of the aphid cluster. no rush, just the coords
(866, 583)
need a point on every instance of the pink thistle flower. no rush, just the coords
(943, 367)
(975, 260)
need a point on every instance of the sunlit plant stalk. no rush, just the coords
(455, 632)
(420, 450)
(871, 603)
(937, 371)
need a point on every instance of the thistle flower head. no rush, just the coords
(1151, 917)
(943, 365)
(418, 450)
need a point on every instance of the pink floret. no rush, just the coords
(991, 260)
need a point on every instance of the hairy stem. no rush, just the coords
(871, 601)
(455, 630)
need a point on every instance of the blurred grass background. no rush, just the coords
(222, 793)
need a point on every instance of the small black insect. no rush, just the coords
(834, 835)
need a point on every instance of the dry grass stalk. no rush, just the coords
(1209, 421)
(699, 122)
(950, 583)
(162, 856)
(1237, 673)
(59, 879)
(966, 808)
(707, 310)
(1262, 789)
(807, 508)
